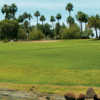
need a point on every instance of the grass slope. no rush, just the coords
(61, 63)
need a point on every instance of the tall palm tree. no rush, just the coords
(94, 22)
(13, 10)
(29, 17)
(26, 27)
(70, 21)
(37, 14)
(20, 19)
(85, 19)
(58, 17)
(6, 11)
(52, 20)
(24, 16)
(69, 8)
(42, 19)
(80, 18)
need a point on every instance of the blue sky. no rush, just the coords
(52, 7)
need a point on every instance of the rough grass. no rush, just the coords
(69, 63)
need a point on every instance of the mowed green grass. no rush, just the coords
(62, 63)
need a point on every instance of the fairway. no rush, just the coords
(56, 63)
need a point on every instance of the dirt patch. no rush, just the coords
(40, 41)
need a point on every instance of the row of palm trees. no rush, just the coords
(92, 22)
(10, 11)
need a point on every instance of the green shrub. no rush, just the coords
(5, 40)
(87, 33)
(81, 97)
(70, 33)
(70, 96)
(9, 29)
(21, 34)
(36, 34)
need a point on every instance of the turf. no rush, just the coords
(61, 63)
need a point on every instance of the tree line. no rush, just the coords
(19, 28)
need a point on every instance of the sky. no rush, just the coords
(52, 7)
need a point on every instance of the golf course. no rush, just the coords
(51, 66)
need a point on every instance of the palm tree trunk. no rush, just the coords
(85, 26)
(58, 21)
(53, 25)
(99, 33)
(81, 27)
(69, 13)
(96, 32)
(69, 25)
(42, 23)
(37, 21)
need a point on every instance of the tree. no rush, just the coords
(57, 30)
(69, 8)
(47, 30)
(42, 19)
(52, 20)
(36, 34)
(93, 22)
(20, 18)
(70, 21)
(6, 11)
(37, 14)
(26, 28)
(9, 29)
(58, 17)
(21, 33)
(13, 10)
(9, 11)
(70, 33)
(27, 16)
(24, 16)
(85, 19)
(80, 18)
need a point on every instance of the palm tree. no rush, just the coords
(24, 16)
(94, 22)
(58, 17)
(13, 10)
(20, 19)
(70, 21)
(69, 8)
(85, 19)
(42, 19)
(6, 11)
(80, 18)
(26, 27)
(29, 17)
(37, 14)
(52, 20)
(98, 22)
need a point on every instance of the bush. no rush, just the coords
(9, 29)
(21, 34)
(69, 96)
(81, 97)
(87, 33)
(70, 33)
(90, 93)
(36, 34)
(5, 40)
